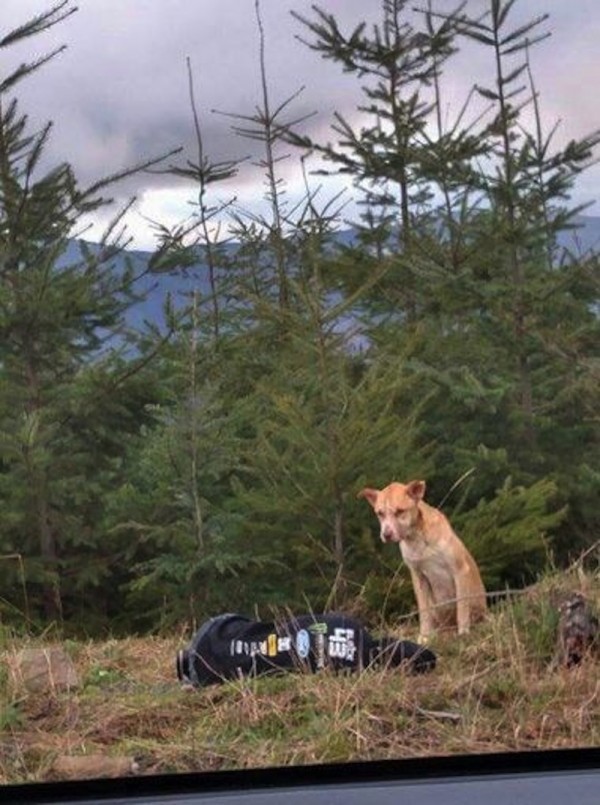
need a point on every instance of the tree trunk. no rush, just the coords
(51, 598)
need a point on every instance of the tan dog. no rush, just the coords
(446, 579)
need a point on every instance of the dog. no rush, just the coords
(448, 588)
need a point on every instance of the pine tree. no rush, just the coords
(62, 309)
(535, 309)
(508, 534)
(265, 234)
(393, 157)
(174, 512)
(201, 236)
(329, 419)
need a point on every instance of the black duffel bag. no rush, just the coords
(231, 646)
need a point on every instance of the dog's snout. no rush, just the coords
(387, 533)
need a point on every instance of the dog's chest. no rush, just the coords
(430, 562)
(417, 553)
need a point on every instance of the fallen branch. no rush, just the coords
(439, 715)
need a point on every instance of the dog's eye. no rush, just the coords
(398, 512)
(380, 513)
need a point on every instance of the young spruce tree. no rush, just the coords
(62, 335)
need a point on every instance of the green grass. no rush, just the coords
(493, 690)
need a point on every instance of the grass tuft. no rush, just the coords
(494, 690)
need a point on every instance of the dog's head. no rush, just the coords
(397, 507)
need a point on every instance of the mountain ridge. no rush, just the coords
(154, 288)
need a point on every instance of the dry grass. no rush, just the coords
(493, 691)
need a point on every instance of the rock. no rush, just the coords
(82, 767)
(45, 669)
(578, 630)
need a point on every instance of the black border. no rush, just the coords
(419, 769)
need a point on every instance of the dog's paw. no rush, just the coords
(187, 686)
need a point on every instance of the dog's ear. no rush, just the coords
(369, 494)
(416, 490)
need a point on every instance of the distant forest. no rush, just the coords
(153, 476)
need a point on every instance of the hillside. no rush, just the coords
(156, 287)
(495, 690)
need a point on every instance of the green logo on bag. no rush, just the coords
(318, 628)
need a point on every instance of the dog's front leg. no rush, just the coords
(424, 604)
(463, 602)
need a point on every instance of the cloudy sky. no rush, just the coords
(119, 94)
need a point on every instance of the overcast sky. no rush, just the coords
(119, 94)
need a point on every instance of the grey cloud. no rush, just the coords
(119, 93)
